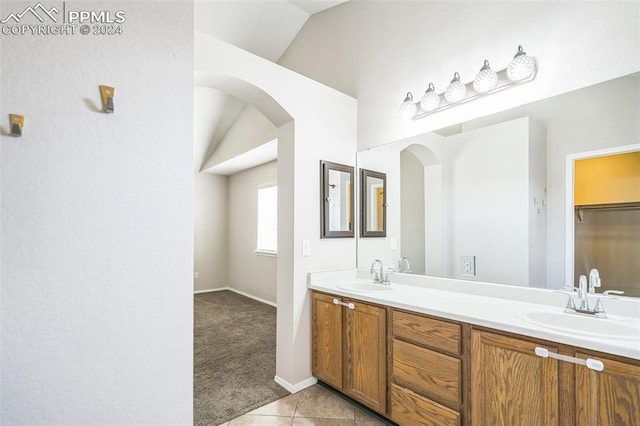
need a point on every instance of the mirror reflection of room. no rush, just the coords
(488, 196)
(607, 220)
(373, 203)
(339, 205)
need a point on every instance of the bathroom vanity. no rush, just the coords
(433, 351)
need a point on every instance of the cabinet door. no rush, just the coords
(510, 385)
(608, 397)
(327, 339)
(366, 355)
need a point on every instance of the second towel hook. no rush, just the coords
(107, 92)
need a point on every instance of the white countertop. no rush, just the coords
(489, 305)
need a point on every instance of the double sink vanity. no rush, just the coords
(436, 351)
(531, 199)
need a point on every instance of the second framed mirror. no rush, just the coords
(373, 204)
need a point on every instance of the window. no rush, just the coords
(267, 220)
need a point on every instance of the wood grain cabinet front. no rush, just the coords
(510, 384)
(409, 408)
(326, 335)
(427, 370)
(349, 340)
(610, 396)
(365, 354)
(513, 385)
(443, 372)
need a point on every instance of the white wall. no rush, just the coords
(378, 51)
(412, 210)
(97, 222)
(250, 130)
(249, 271)
(211, 237)
(490, 203)
(324, 127)
(482, 197)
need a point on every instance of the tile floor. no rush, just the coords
(315, 405)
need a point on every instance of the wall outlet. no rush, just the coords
(468, 266)
(196, 275)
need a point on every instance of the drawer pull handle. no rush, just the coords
(590, 363)
(348, 305)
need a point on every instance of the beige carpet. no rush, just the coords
(234, 356)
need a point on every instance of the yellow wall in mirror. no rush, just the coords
(608, 179)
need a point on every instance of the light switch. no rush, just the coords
(306, 248)
(394, 243)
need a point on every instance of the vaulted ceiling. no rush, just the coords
(264, 28)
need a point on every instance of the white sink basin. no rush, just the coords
(578, 324)
(363, 287)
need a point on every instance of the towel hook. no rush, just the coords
(106, 92)
(17, 123)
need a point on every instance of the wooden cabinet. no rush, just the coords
(365, 355)
(608, 397)
(446, 373)
(326, 335)
(409, 408)
(349, 348)
(510, 384)
(427, 370)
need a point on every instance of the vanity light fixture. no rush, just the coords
(522, 69)
(408, 108)
(456, 91)
(430, 100)
(486, 79)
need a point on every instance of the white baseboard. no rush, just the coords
(242, 293)
(209, 290)
(251, 296)
(294, 388)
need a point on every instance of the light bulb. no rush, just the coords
(521, 67)
(456, 90)
(408, 108)
(430, 100)
(486, 79)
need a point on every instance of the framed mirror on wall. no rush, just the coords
(373, 206)
(492, 199)
(336, 200)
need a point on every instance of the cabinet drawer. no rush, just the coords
(429, 332)
(426, 371)
(409, 408)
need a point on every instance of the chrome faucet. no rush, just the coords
(377, 277)
(582, 293)
(381, 277)
(594, 280)
(403, 265)
(584, 290)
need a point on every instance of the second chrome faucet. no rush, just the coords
(380, 276)
(586, 288)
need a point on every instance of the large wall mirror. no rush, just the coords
(336, 200)
(373, 205)
(487, 200)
